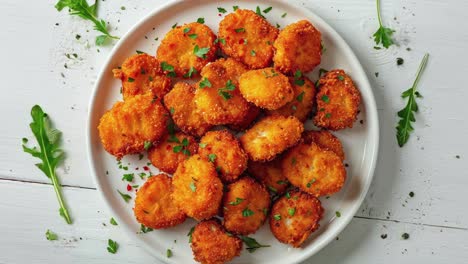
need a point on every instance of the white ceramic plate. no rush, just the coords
(360, 143)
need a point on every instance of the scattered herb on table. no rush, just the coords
(252, 244)
(112, 246)
(190, 234)
(168, 253)
(51, 235)
(338, 214)
(383, 35)
(49, 152)
(201, 20)
(126, 197)
(144, 229)
(406, 115)
(112, 221)
(405, 236)
(221, 10)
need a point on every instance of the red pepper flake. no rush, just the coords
(129, 187)
(146, 168)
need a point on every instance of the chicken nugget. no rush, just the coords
(171, 151)
(197, 189)
(298, 48)
(154, 206)
(142, 73)
(218, 96)
(211, 244)
(248, 38)
(314, 170)
(270, 174)
(248, 120)
(246, 204)
(266, 88)
(271, 136)
(180, 103)
(338, 101)
(188, 48)
(294, 217)
(126, 127)
(325, 140)
(304, 97)
(224, 150)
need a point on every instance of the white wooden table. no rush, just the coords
(35, 39)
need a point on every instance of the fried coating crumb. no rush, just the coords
(224, 149)
(126, 127)
(338, 101)
(171, 151)
(220, 102)
(266, 88)
(178, 48)
(211, 244)
(252, 114)
(248, 38)
(140, 74)
(301, 105)
(197, 189)
(293, 219)
(154, 206)
(270, 174)
(246, 204)
(271, 136)
(325, 140)
(314, 170)
(180, 103)
(298, 47)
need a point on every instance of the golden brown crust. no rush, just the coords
(271, 136)
(212, 245)
(325, 140)
(246, 204)
(293, 219)
(248, 38)
(338, 101)
(126, 127)
(140, 74)
(154, 206)
(216, 109)
(177, 48)
(230, 159)
(184, 112)
(197, 189)
(314, 170)
(172, 150)
(266, 88)
(298, 47)
(303, 100)
(252, 113)
(270, 174)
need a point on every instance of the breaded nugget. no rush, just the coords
(271, 136)
(218, 96)
(337, 101)
(314, 170)
(224, 150)
(294, 217)
(211, 244)
(325, 140)
(142, 73)
(171, 151)
(187, 47)
(270, 174)
(154, 206)
(248, 38)
(304, 97)
(180, 103)
(246, 204)
(197, 189)
(126, 127)
(298, 47)
(266, 88)
(248, 120)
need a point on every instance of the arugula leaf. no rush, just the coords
(50, 153)
(383, 35)
(252, 244)
(82, 9)
(406, 115)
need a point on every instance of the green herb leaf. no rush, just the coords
(128, 177)
(191, 71)
(148, 145)
(298, 78)
(340, 77)
(237, 201)
(112, 221)
(193, 36)
(221, 10)
(277, 217)
(284, 15)
(223, 92)
(177, 148)
(235, 8)
(223, 41)
(200, 52)
(167, 67)
(51, 235)
(268, 9)
(239, 30)
(205, 83)
(124, 196)
(322, 71)
(174, 26)
(259, 11)
(201, 20)
(300, 97)
(202, 145)
(309, 184)
(192, 186)
(291, 211)
(247, 212)
(168, 253)
(144, 229)
(190, 234)
(253, 53)
(186, 30)
(338, 214)
(325, 98)
(50, 153)
(112, 246)
(406, 115)
(383, 35)
(252, 244)
(212, 157)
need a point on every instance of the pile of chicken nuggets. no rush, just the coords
(222, 117)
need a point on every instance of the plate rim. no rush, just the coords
(372, 111)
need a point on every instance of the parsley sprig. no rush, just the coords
(406, 115)
(383, 35)
(223, 92)
(252, 244)
(49, 152)
(82, 9)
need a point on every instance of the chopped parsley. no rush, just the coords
(204, 83)
(268, 9)
(144, 229)
(325, 98)
(124, 196)
(192, 186)
(247, 212)
(311, 182)
(148, 145)
(239, 30)
(338, 214)
(51, 235)
(300, 97)
(201, 20)
(186, 30)
(190, 234)
(212, 157)
(200, 52)
(175, 25)
(253, 53)
(128, 177)
(237, 201)
(341, 77)
(277, 217)
(191, 71)
(291, 211)
(130, 80)
(112, 246)
(223, 41)
(112, 221)
(168, 253)
(140, 52)
(284, 15)
(223, 92)
(235, 8)
(252, 244)
(298, 78)
(259, 11)
(328, 115)
(193, 36)
(202, 145)
(221, 10)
